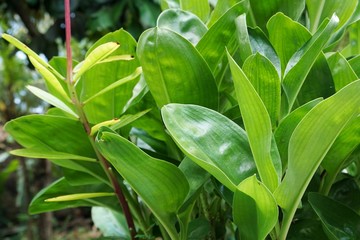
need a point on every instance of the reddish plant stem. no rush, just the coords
(103, 162)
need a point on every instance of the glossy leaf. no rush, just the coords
(62, 187)
(213, 43)
(221, 8)
(286, 36)
(200, 7)
(339, 221)
(320, 10)
(47, 97)
(257, 125)
(33, 131)
(309, 143)
(260, 43)
(287, 126)
(342, 71)
(170, 4)
(48, 154)
(226, 156)
(266, 81)
(174, 70)
(103, 75)
(255, 210)
(137, 168)
(111, 223)
(301, 62)
(184, 23)
(97, 55)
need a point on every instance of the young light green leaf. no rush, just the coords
(50, 79)
(127, 119)
(137, 168)
(341, 70)
(212, 141)
(200, 7)
(301, 62)
(310, 142)
(255, 210)
(118, 83)
(79, 196)
(62, 187)
(339, 221)
(257, 125)
(164, 55)
(97, 55)
(48, 154)
(47, 97)
(31, 53)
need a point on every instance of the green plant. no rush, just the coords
(210, 123)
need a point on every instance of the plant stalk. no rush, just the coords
(103, 162)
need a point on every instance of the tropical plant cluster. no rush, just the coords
(228, 120)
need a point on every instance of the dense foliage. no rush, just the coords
(228, 120)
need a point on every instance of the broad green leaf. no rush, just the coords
(137, 168)
(200, 7)
(286, 36)
(62, 187)
(118, 83)
(319, 10)
(266, 81)
(111, 223)
(310, 142)
(355, 64)
(51, 81)
(339, 221)
(101, 76)
(48, 154)
(77, 178)
(221, 8)
(174, 70)
(287, 126)
(318, 83)
(79, 196)
(257, 125)
(347, 191)
(301, 62)
(341, 70)
(255, 210)
(51, 99)
(243, 37)
(260, 43)
(261, 11)
(67, 135)
(212, 141)
(184, 23)
(31, 53)
(306, 229)
(340, 151)
(169, 4)
(95, 56)
(217, 38)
